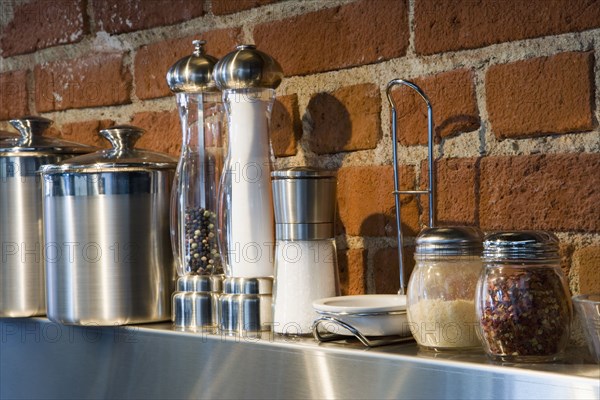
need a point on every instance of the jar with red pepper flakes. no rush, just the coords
(523, 302)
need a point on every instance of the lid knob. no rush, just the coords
(122, 137)
(246, 67)
(30, 126)
(193, 73)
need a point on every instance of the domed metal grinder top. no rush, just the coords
(193, 73)
(246, 67)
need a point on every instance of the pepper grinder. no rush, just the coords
(248, 78)
(194, 194)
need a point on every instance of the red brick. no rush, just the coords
(98, 80)
(366, 203)
(541, 96)
(345, 120)
(44, 23)
(286, 128)
(153, 61)
(363, 32)
(559, 192)
(222, 7)
(587, 264)
(387, 270)
(449, 25)
(13, 95)
(119, 16)
(163, 131)
(86, 132)
(456, 194)
(452, 97)
(352, 267)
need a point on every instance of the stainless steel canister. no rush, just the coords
(22, 291)
(106, 223)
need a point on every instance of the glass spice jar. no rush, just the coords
(441, 288)
(523, 303)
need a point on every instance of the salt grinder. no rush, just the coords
(305, 260)
(248, 78)
(194, 194)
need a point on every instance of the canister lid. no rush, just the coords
(30, 140)
(520, 245)
(450, 241)
(122, 157)
(193, 73)
(246, 67)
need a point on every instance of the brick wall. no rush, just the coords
(514, 87)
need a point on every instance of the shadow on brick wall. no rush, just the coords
(330, 125)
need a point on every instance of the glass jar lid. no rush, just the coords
(30, 140)
(450, 241)
(520, 245)
(123, 156)
(246, 67)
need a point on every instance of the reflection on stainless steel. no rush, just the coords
(153, 361)
(109, 259)
(106, 231)
(22, 292)
(246, 67)
(22, 271)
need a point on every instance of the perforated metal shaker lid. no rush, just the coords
(521, 245)
(450, 241)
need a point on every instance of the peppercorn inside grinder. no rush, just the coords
(194, 194)
(248, 78)
(523, 302)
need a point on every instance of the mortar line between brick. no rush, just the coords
(30, 78)
(89, 9)
(596, 74)
(485, 136)
(410, 51)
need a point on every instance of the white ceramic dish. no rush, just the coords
(371, 315)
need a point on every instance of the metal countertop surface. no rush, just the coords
(42, 359)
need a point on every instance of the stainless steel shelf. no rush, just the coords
(41, 359)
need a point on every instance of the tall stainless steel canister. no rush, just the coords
(106, 221)
(22, 291)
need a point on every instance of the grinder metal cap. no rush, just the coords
(193, 73)
(246, 67)
(304, 200)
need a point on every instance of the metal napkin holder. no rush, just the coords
(333, 318)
